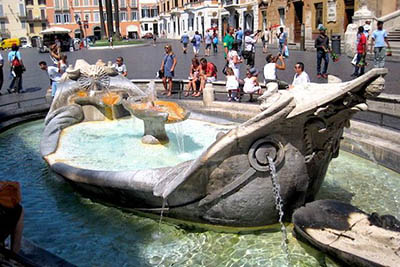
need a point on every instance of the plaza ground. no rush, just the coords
(144, 61)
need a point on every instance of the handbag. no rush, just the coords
(354, 60)
(225, 68)
(193, 40)
(246, 54)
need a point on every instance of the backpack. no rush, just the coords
(15, 62)
(215, 40)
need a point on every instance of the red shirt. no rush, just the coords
(362, 42)
(209, 70)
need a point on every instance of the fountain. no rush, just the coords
(227, 181)
(300, 130)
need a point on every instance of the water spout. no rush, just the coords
(279, 205)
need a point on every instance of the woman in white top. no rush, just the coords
(234, 60)
(251, 84)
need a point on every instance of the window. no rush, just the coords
(95, 2)
(23, 24)
(153, 12)
(43, 14)
(122, 4)
(105, 16)
(29, 2)
(2, 25)
(281, 16)
(66, 18)
(146, 27)
(318, 14)
(76, 3)
(145, 13)
(96, 16)
(31, 28)
(43, 26)
(65, 4)
(168, 8)
(42, 2)
(85, 2)
(1, 11)
(77, 17)
(134, 15)
(122, 16)
(57, 18)
(133, 3)
(30, 13)
(57, 4)
(22, 10)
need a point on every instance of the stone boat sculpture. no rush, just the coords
(230, 183)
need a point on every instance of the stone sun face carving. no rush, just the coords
(94, 78)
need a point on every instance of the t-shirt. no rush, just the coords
(228, 42)
(185, 39)
(362, 41)
(249, 42)
(14, 54)
(210, 70)
(379, 37)
(270, 71)
(231, 82)
(282, 37)
(239, 35)
(208, 38)
(197, 37)
(120, 69)
(250, 86)
(301, 79)
(53, 73)
(231, 55)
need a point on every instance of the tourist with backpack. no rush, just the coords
(16, 70)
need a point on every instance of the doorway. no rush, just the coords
(97, 32)
(155, 29)
(298, 20)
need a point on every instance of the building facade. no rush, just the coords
(13, 22)
(148, 17)
(36, 18)
(68, 14)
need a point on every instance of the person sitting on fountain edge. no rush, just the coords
(120, 66)
(208, 74)
(301, 77)
(54, 76)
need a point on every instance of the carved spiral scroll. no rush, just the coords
(263, 148)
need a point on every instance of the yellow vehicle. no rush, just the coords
(7, 43)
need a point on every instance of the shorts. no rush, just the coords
(211, 79)
(185, 45)
(208, 46)
(196, 49)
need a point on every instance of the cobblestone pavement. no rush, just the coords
(143, 62)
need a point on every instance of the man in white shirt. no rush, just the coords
(54, 76)
(270, 70)
(120, 66)
(301, 77)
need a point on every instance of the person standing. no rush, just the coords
(215, 42)
(168, 68)
(54, 76)
(265, 39)
(184, 41)
(239, 39)
(378, 40)
(120, 67)
(208, 41)
(1, 72)
(367, 28)
(301, 77)
(323, 49)
(16, 65)
(228, 41)
(250, 41)
(196, 43)
(154, 39)
(361, 53)
(282, 39)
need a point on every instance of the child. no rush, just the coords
(120, 66)
(251, 84)
(232, 85)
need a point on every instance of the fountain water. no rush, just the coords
(279, 206)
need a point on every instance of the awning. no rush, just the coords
(55, 30)
(132, 28)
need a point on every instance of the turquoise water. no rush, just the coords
(118, 146)
(87, 233)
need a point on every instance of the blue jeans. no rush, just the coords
(281, 47)
(325, 56)
(53, 88)
(16, 83)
